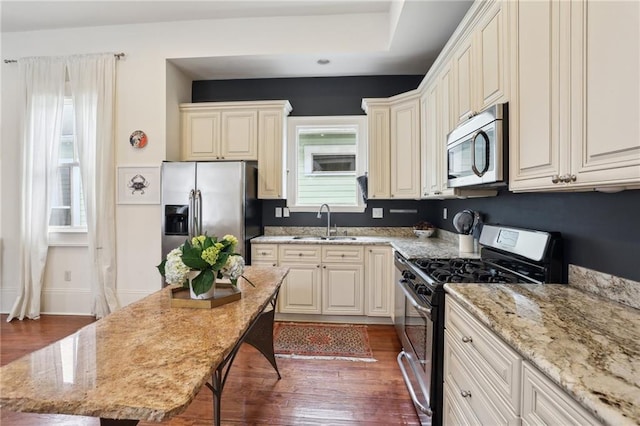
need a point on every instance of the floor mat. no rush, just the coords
(322, 341)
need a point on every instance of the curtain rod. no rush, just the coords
(12, 61)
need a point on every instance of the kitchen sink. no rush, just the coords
(318, 238)
(309, 237)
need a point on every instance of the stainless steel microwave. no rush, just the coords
(477, 150)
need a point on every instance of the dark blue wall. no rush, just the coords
(601, 231)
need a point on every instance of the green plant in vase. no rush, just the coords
(213, 259)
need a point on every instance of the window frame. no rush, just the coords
(72, 235)
(329, 123)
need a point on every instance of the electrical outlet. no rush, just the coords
(285, 211)
(444, 213)
(377, 213)
(67, 275)
(278, 211)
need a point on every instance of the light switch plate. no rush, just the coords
(377, 212)
(285, 211)
(278, 211)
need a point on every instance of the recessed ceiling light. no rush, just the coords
(323, 61)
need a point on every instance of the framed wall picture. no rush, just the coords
(138, 185)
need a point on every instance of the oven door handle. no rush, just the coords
(411, 298)
(407, 381)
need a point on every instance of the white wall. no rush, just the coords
(148, 91)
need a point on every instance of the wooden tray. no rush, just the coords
(224, 293)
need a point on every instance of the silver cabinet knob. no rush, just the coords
(555, 179)
(569, 178)
(466, 339)
(465, 394)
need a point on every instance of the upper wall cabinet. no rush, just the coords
(219, 131)
(575, 105)
(394, 146)
(239, 131)
(480, 64)
(405, 149)
(272, 164)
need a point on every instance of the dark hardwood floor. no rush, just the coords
(311, 392)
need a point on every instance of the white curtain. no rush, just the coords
(92, 82)
(43, 89)
(92, 79)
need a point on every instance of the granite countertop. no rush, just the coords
(588, 345)
(146, 361)
(409, 247)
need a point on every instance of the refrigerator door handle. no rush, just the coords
(192, 217)
(199, 221)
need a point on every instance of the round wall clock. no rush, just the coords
(138, 139)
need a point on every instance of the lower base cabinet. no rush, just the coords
(488, 383)
(331, 279)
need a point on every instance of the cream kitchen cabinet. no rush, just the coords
(480, 63)
(379, 133)
(342, 280)
(301, 291)
(240, 131)
(481, 371)
(272, 164)
(575, 105)
(219, 131)
(487, 382)
(394, 146)
(379, 281)
(544, 403)
(405, 149)
(332, 279)
(264, 254)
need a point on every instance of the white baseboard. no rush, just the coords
(67, 301)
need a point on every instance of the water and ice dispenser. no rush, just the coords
(176, 220)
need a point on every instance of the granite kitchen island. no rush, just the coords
(146, 361)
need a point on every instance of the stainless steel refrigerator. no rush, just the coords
(218, 198)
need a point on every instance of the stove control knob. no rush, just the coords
(408, 275)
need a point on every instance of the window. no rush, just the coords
(67, 203)
(325, 155)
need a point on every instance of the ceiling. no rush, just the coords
(419, 30)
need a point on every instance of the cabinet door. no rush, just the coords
(271, 155)
(342, 289)
(239, 135)
(605, 92)
(379, 182)
(301, 290)
(431, 132)
(379, 281)
(200, 135)
(544, 403)
(462, 65)
(405, 150)
(490, 59)
(535, 110)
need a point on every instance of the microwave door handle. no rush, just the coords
(486, 153)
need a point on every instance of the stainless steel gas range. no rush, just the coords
(508, 255)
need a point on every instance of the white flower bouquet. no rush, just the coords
(212, 257)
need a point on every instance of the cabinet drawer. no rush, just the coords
(352, 254)
(544, 403)
(264, 252)
(299, 253)
(499, 365)
(460, 373)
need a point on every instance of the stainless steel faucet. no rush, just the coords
(328, 218)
